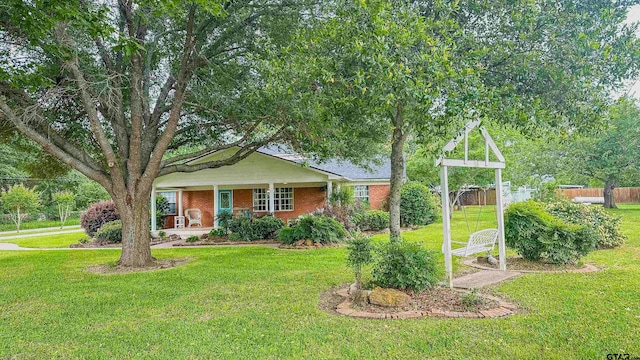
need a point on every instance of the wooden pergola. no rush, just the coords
(487, 163)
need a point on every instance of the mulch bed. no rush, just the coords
(117, 269)
(521, 265)
(225, 242)
(105, 244)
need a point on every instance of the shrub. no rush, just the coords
(192, 238)
(217, 232)
(97, 215)
(360, 255)
(162, 209)
(111, 232)
(288, 235)
(84, 240)
(374, 220)
(416, 206)
(320, 229)
(471, 299)
(538, 236)
(241, 228)
(162, 234)
(224, 220)
(249, 229)
(604, 225)
(405, 265)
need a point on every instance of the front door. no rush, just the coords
(225, 201)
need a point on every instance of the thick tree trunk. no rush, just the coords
(397, 175)
(609, 200)
(136, 237)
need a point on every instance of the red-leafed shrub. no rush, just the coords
(97, 215)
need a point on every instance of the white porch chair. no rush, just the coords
(194, 216)
(483, 240)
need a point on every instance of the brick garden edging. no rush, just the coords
(587, 268)
(504, 309)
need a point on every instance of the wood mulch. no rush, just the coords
(223, 242)
(112, 268)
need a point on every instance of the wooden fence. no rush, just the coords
(621, 195)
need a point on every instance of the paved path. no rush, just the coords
(30, 235)
(483, 278)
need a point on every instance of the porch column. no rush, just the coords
(338, 190)
(272, 202)
(500, 215)
(154, 226)
(329, 192)
(180, 203)
(215, 206)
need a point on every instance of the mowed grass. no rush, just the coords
(255, 302)
(48, 241)
(29, 225)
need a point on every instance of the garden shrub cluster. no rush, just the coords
(248, 229)
(539, 236)
(416, 205)
(111, 232)
(97, 215)
(374, 220)
(318, 228)
(605, 226)
(360, 254)
(405, 265)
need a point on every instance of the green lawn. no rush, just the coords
(39, 224)
(254, 302)
(48, 241)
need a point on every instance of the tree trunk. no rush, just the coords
(609, 200)
(397, 174)
(136, 238)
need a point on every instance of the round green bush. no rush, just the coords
(111, 232)
(288, 235)
(321, 229)
(538, 236)
(405, 265)
(374, 220)
(416, 205)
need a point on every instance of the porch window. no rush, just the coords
(282, 199)
(361, 192)
(171, 198)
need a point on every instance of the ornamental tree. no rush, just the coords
(65, 200)
(19, 201)
(127, 91)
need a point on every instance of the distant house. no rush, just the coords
(271, 180)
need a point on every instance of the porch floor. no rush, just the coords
(188, 231)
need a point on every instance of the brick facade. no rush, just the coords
(305, 200)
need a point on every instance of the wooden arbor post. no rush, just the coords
(445, 163)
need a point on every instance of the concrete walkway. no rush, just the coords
(483, 278)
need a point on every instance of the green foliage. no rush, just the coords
(321, 229)
(547, 192)
(66, 201)
(19, 201)
(416, 205)
(604, 225)
(405, 265)
(471, 299)
(217, 232)
(288, 235)
(111, 232)
(360, 254)
(224, 219)
(89, 192)
(97, 215)
(192, 238)
(162, 208)
(374, 220)
(84, 240)
(538, 236)
(162, 234)
(248, 229)
(342, 197)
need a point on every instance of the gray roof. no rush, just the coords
(376, 170)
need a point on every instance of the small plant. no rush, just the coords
(288, 235)
(162, 209)
(65, 201)
(217, 232)
(360, 254)
(192, 238)
(162, 235)
(84, 240)
(471, 299)
(374, 220)
(224, 220)
(405, 265)
(111, 232)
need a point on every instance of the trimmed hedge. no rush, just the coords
(416, 205)
(405, 265)
(97, 215)
(374, 220)
(538, 236)
(248, 229)
(111, 232)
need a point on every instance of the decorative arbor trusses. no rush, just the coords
(498, 165)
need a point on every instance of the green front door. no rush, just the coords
(225, 201)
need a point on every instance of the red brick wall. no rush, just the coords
(202, 200)
(379, 196)
(305, 200)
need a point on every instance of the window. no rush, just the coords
(171, 198)
(260, 200)
(282, 199)
(361, 192)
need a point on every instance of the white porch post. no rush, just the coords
(272, 202)
(154, 226)
(216, 199)
(500, 215)
(446, 224)
(338, 190)
(180, 213)
(329, 192)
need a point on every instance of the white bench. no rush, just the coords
(588, 200)
(480, 241)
